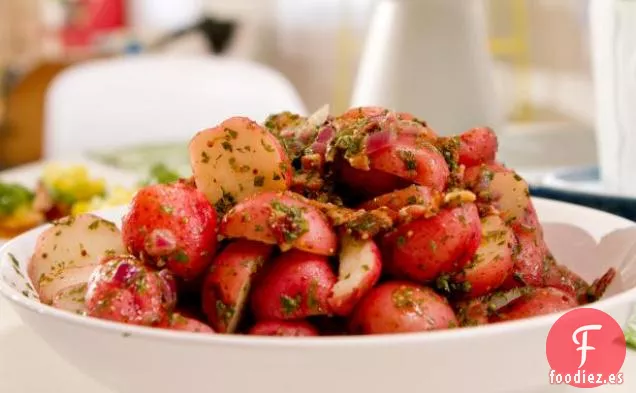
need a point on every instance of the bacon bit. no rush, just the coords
(456, 198)
(307, 180)
(415, 212)
(312, 163)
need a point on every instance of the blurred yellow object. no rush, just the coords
(515, 47)
(22, 219)
(72, 184)
(117, 197)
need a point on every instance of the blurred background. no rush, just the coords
(539, 49)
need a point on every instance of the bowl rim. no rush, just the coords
(321, 342)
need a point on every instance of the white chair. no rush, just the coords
(128, 101)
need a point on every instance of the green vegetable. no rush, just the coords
(630, 333)
(13, 196)
(160, 174)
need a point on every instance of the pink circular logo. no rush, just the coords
(586, 348)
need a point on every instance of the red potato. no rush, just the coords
(172, 225)
(237, 159)
(540, 301)
(424, 249)
(362, 113)
(123, 289)
(71, 299)
(227, 285)
(283, 328)
(295, 285)
(180, 322)
(423, 165)
(478, 177)
(504, 190)
(66, 254)
(477, 146)
(359, 270)
(367, 183)
(283, 219)
(473, 312)
(412, 195)
(560, 277)
(401, 307)
(492, 262)
(529, 258)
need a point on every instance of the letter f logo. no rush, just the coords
(583, 343)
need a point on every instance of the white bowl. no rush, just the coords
(505, 357)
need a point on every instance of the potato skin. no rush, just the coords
(283, 219)
(369, 183)
(529, 257)
(477, 146)
(123, 289)
(421, 165)
(493, 263)
(401, 307)
(425, 248)
(177, 321)
(174, 226)
(227, 284)
(295, 285)
(283, 329)
(540, 301)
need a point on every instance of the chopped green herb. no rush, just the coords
(401, 240)
(224, 312)
(433, 246)
(93, 225)
(160, 174)
(259, 181)
(404, 298)
(266, 146)
(408, 158)
(233, 134)
(227, 146)
(290, 305)
(226, 202)
(181, 257)
(13, 196)
(312, 296)
(167, 209)
(288, 220)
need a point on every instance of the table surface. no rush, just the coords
(18, 343)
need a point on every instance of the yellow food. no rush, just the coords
(117, 197)
(72, 183)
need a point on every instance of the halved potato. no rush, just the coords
(227, 286)
(492, 262)
(237, 159)
(359, 270)
(71, 298)
(283, 219)
(66, 253)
